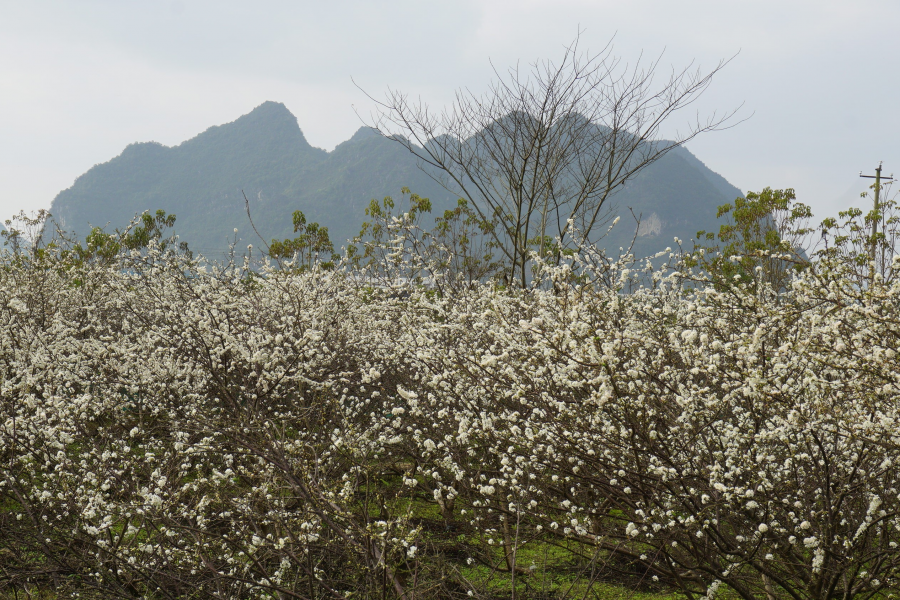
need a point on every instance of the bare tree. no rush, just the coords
(542, 152)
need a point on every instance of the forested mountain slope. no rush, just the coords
(265, 155)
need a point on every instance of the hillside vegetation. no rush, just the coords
(265, 156)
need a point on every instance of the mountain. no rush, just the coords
(265, 155)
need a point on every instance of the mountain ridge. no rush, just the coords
(265, 156)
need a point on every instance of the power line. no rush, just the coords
(877, 177)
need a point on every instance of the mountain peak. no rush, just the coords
(363, 133)
(267, 124)
(272, 110)
(268, 117)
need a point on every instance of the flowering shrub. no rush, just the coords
(169, 428)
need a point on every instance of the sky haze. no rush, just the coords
(80, 81)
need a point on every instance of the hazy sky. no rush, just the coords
(79, 80)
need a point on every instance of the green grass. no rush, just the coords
(547, 568)
(552, 571)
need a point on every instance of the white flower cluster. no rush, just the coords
(234, 433)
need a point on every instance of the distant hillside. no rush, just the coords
(265, 155)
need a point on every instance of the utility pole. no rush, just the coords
(877, 177)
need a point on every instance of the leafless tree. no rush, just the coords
(542, 151)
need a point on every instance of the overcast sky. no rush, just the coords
(81, 80)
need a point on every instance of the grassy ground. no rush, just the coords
(546, 567)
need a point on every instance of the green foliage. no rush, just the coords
(103, 247)
(467, 236)
(851, 240)
(151, 228)
(29, 239)
(456, 251)
(377, 245)
(23, 237)
(312, 246)
(765, 238)
(761, 241)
